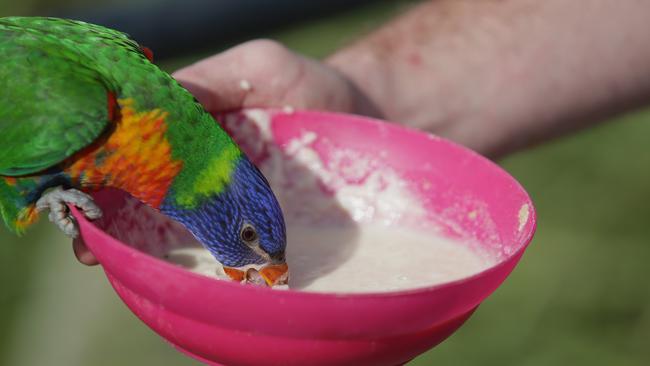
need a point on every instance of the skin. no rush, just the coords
(494, 75)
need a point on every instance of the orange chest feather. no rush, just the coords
(134, 156)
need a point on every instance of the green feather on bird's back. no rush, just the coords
(62, 97)
(51, 87)
(56, 74)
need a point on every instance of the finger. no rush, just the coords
(82, 253)
(257, 73)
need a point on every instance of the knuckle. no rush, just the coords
(266, 57)
(269, 47)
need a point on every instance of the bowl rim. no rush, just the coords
(526, 234)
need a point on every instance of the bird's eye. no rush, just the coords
(248, 234)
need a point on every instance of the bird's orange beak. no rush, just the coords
(273, 275)
(235, 274)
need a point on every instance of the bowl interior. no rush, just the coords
(365, 173)
(403, 176)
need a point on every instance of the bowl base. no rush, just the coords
(211, 363)
(439, 334)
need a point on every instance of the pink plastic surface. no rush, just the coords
(226, 323)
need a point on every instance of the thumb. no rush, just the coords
(82, 253)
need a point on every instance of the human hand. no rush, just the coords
(264, 73)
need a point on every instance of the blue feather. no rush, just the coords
(217, 222)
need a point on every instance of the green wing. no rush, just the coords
(52, 102)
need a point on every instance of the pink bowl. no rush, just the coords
(225, 323)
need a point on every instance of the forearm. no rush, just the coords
(499, 75)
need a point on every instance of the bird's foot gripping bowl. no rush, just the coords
(343, 171)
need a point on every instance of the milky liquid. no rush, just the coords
(359, 259)
(347, 218)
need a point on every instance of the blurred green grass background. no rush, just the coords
(580, 295)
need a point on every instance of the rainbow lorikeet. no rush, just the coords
(82, 107)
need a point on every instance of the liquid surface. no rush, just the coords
(358, 259)
(347, 218)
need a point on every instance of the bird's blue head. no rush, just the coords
(242, 225)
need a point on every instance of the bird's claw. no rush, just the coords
(55, 201)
